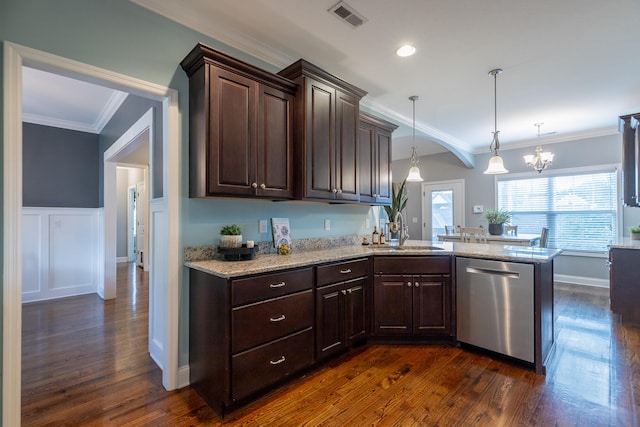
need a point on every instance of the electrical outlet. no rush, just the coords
(327, 225)
(414, 220)
(478, 209)
(262, 225)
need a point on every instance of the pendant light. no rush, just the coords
(496, 166)
(541, 159)
(414, 171)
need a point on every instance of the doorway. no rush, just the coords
(164, 214)
(442, 205)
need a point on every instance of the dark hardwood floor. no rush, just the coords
(85, 363)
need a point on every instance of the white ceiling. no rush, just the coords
(54, 100)
(571, 64)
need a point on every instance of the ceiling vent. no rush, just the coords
(347, 14)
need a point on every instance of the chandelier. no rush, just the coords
(541, 159)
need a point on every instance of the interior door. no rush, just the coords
(442, 204)
(141, 212)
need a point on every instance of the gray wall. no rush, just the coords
(60, 167)
(129, 112)
(480, 188)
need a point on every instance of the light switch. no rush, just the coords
(327, 225)
(262, 225)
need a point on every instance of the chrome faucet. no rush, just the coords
(403, 233)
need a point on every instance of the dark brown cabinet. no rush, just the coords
(375, 159)
(240, 129)
(629, 125)
(624, 270)
(327, 116)
(248, 333)
(412, 296)
(340, 306)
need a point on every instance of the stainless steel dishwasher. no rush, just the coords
(495, 306)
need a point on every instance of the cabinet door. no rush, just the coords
(274, 156)
(347, 129)
(232, 133)
(368, 161)
(382, 169)
(431, 302)
(392, 305)
(320, 141)
(330, 320)
(355, 311)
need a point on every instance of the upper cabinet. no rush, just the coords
(375, 159)
(327, 122)
(630, 127)
(240, 128)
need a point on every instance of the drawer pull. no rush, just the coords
(347, 271)
(277, 319)
(277, 362)
(277, 285)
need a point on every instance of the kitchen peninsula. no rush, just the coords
(254, 324)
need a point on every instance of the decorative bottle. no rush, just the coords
(375, 237)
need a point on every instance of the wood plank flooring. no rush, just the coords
(85, 363)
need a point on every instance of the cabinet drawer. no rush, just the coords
(412, 265)
(266, 286)
(341, 271)
(261, 322)
(264, 365)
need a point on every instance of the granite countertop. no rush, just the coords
(272, 262)
(625, 243)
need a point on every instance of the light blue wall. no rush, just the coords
(120, 36)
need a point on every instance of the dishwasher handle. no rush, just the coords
(493, 272)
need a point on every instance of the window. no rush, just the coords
(580, 208)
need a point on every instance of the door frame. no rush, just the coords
(14, 57)
(426, 215)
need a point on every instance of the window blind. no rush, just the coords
(579, 209)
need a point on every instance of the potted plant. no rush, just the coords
(231, 236)
(496, 219)
(635, 232)
(399, 197)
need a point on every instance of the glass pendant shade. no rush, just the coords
(414, 175)
(541, 159)
(496, 166)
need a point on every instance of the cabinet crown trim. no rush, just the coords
(202, 54)
(377, 121)
(305, 68)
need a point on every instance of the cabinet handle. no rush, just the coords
(277, 319)
(347, 271)
(350, 290)
(334, 190)
(262, 186)
(344, 292)
(254, 184)
(417, 285)
(277, 285)
(409, 284)
(339, 191)
(277, 362)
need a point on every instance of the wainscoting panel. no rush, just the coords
(60, 252)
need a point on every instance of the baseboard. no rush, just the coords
(581, 280)
(183, 376)
(122, 259)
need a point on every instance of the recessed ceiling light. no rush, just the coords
(406, 50)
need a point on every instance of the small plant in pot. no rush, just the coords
(635, 232)
(496, 219)
(231, 236)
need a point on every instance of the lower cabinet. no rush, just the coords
(412, 296)
(340, 306)
(624, 270)
(249, 333)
